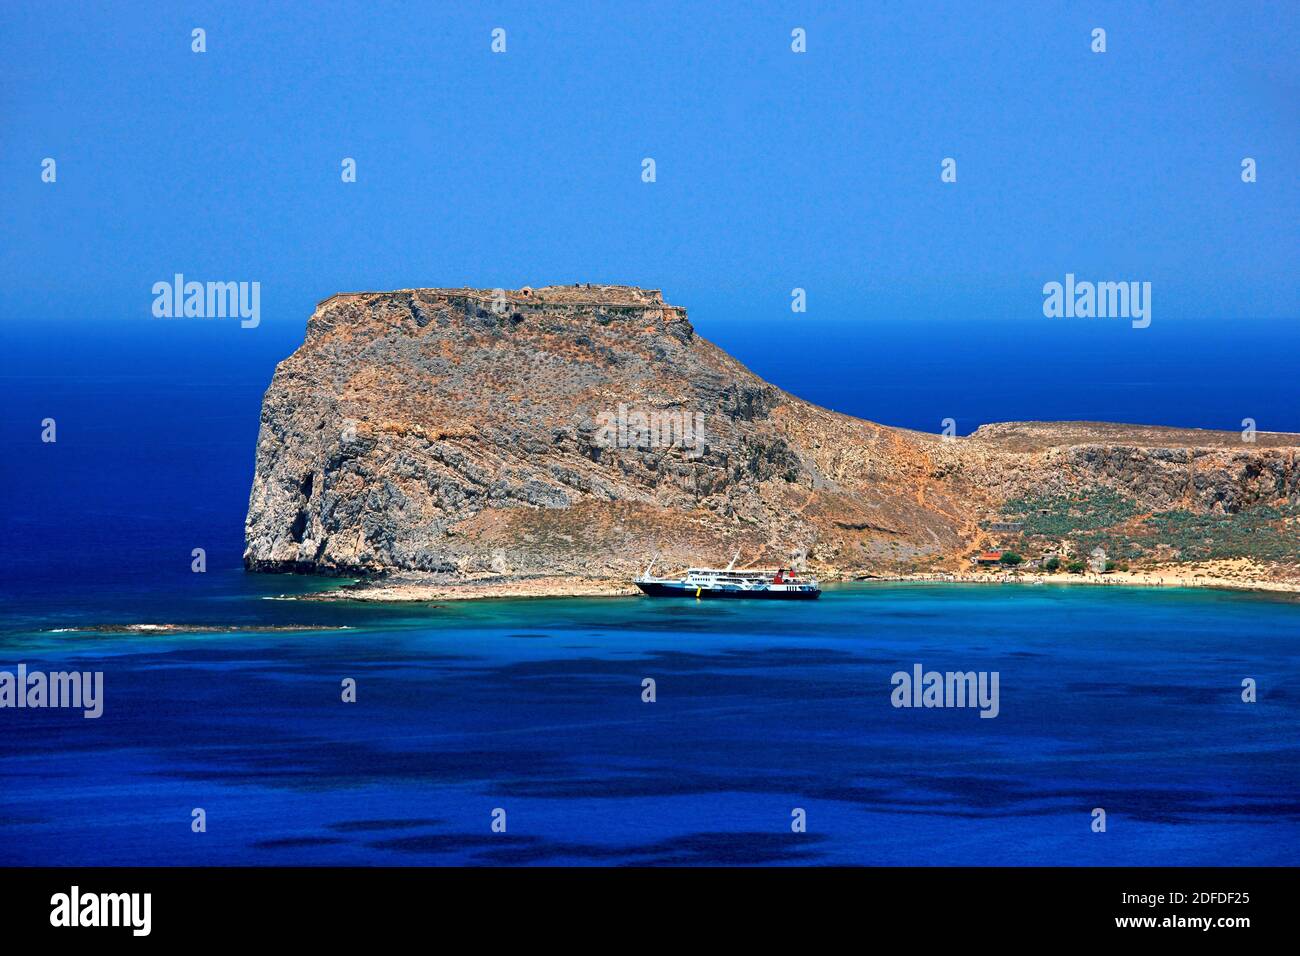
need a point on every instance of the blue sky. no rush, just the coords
(775, 170)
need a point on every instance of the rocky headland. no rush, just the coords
(431, 439)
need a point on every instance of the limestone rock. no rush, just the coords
(579, 430)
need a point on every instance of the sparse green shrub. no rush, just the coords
(1261, 533)
(1100, 517)
(1088, 509)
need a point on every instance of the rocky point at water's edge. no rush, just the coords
(457, 435)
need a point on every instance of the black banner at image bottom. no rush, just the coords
(334, 904)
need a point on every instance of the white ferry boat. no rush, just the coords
(776, 584)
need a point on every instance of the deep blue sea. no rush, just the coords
(1127, 700)
(1121, 699)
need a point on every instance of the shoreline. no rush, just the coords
(481, 589)
(1129, 579)
(1228, 575)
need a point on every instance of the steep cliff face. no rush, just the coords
(582, 429)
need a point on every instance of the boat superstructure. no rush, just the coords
(728, 582)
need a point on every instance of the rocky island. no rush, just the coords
(552, 440)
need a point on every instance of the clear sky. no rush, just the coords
(775, 170)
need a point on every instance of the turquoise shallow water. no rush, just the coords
(1124, 699)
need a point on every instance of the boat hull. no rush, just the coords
(662, 589)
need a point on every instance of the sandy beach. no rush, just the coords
(1237, 574)
(481, 588)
